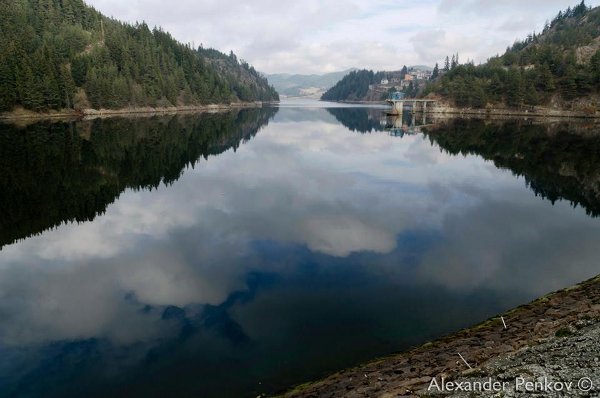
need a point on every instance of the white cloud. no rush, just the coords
(319, 36)
(341, 236)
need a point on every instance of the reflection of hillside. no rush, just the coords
(558, 161)
(362, 120)
(55, 173)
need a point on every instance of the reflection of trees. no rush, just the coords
(52, 173)
(362, 120)
(367, 120)
(558, 161)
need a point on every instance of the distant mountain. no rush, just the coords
(64, 54)
(305, 85)
(558, 68)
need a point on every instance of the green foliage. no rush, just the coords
(243, 80)
(50, 48)
(532, 71)
(436, 72)
(353, 87)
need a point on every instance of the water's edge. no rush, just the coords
(132, 111)
(410, 372)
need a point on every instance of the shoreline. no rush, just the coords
(88, 114)
(535, 112)
(443, 108)
(551, 318)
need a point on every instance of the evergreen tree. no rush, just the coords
(52, 49)
(533, 70)
(568, 84)
(515, 90)
(545, 80)
(436, 72)
(354, 86)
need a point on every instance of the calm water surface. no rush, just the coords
(234, 254)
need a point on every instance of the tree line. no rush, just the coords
(532, 71)
(64, 54)
(353, 87)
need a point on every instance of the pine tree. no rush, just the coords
(515, 89)
(50, 49)
(545, 80)
(531, 96)
(568, 84)
(533, 69)
(436, 72)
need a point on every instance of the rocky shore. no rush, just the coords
(567, 364)
(585, 107)
(553, 339)
(23, 114)
(531, 112)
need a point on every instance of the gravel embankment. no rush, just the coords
(556, 336)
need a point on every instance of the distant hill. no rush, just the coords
(559, 68)
(246, 83)
(64, 54)
(302, 85)
(366, 85)
(353, 87)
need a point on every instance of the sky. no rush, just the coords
(319, 36)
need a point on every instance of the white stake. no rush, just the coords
(466, 363)
(505, 327)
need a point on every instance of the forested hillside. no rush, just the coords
(64, 54)
(555, 67)
(245, 82)
(353, 87)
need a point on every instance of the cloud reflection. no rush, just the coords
(309, 184)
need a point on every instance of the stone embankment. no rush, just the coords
(566, 365)
(556, 336)
(23, 114)
(583, 109)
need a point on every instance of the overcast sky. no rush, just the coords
(316, 36)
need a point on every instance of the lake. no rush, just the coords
(229, 255)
